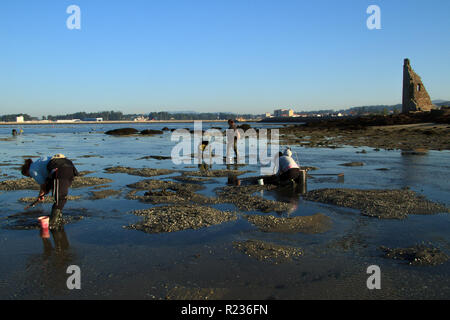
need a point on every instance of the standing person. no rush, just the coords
(56, 174)
(235, 136)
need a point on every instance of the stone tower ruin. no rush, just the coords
(415, 96)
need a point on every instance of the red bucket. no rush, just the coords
(44, 222)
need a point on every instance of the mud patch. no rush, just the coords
(352, 164)
(83, 182)
(103, 194)
(317, 223)
(85, 173)
(151, 132)
(91, 156)
(151, 184)
(122, 132)
(388, 133)
(155, 157)
(241, 196)
(192, 179)
(269, 252)
(30, 157)
(19, 184)
(383, 204)
(419, 255)
(177, 218)
(30, 184)
(165, 196)
(144, 172)
(215, 173)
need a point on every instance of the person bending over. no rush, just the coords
(56, 174)
(288, 169)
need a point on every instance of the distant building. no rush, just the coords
(268, 115)
(139, 119)
(93, 119)
(20, 119)
(283, 113)
(68, 121)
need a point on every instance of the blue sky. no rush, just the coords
(243, 56)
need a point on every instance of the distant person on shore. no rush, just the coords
(56, 174)
(232, 138)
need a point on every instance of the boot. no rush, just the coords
(56, 219)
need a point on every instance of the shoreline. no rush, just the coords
(426, 136)
(109, 122)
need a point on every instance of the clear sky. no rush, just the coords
(243, 56)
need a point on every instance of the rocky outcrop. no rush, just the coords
(415, 96)
(151, 132)
(122, 132)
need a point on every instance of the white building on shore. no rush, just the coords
(283, 113)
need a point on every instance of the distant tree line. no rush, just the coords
(197, 116)
(380, 109)
(106, 115)
(12, 117)
(119, 116)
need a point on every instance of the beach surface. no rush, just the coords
(141, 227)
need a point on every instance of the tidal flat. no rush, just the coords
(141, 227)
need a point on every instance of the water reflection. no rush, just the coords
(47, 271)
(411, 165)
(290, 195)
(60, 250)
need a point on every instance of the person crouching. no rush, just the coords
(52, 174)
(288, 169)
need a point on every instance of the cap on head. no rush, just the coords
(288, 152)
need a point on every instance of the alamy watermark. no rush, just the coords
(374, 20)
(74, 280)
(215, 147)
(74, 20)
(374, 281)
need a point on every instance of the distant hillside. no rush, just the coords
(441, 102)
(374, 109)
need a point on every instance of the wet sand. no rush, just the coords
(143, 231)
(428, 136)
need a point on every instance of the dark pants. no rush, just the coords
(60, 182)
(293, 173)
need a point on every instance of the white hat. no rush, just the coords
(288, 152)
